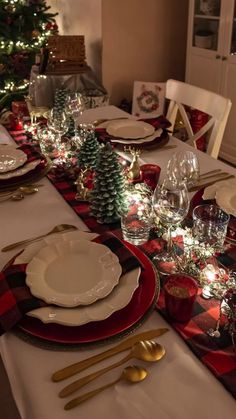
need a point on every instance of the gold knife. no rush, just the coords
(123, 346)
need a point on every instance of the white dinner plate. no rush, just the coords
(20, 171)
(100, 310)
(128, 128)
(11, 158)
(226, 199)
(73, 273)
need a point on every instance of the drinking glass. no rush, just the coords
(150, 174)
(210, 224)
(170, 205)
(180, 291)
(184, 167)
(136, 222)
(46, 139)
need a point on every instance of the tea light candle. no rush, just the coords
(210, 273)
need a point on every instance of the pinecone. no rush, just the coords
(89, 152)
(107, 197)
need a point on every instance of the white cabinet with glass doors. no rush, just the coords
(211, 57)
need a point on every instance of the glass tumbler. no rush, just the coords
(210, 224)
(137, 221)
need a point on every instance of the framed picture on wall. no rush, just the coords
(148, 99)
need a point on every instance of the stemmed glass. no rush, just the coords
(74, 107)
(58, 124)
(184, 166)
(170, 205)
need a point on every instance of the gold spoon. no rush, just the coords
(28, 190)
(19, 194)
(145, 350)
(133, 374)
(58, 229)
(22, 190)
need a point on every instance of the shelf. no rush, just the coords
(207, 17)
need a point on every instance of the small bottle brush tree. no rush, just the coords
(88, 153)
(108, 195)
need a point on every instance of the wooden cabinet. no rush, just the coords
(211, 57)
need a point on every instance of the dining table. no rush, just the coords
(179, 386)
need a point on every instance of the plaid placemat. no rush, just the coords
(217, 354)
(16, 298)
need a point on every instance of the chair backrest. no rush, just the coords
(216, 106)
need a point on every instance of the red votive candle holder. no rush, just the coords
(180, 292)
(149, 174)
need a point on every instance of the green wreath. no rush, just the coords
(151, 99)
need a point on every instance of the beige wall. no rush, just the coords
(82, 17)
(142, 40)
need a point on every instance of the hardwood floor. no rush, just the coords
(8, 409)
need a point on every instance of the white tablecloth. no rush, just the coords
(178, 387)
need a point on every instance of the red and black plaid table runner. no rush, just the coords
(218, 354)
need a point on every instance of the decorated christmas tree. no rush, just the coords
(89, 152)
(107, 197)
(25, 26)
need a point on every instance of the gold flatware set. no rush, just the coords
(141, 348)
(209, 178)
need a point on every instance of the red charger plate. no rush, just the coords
(198, 200)
(156, 143)
(33, 175)
(118, 324)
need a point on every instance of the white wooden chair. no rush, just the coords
(216, 106)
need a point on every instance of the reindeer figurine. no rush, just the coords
(134, 169)
(36, 111)
(82, 190)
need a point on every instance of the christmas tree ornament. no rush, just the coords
(108, 195)
(89, 152)
(10, 8)
(2, 68)
(35, 34)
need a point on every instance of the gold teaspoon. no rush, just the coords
(145, 350)
(132, 374)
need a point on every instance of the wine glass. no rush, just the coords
(74, 107)
(170, 205)
(184, 167)
(58, 125)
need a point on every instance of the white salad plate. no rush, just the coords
(11, 158)
(73, 273)
(20, 171)
(77, 316)
(130, 129)
(148, 139)
(226, 199)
